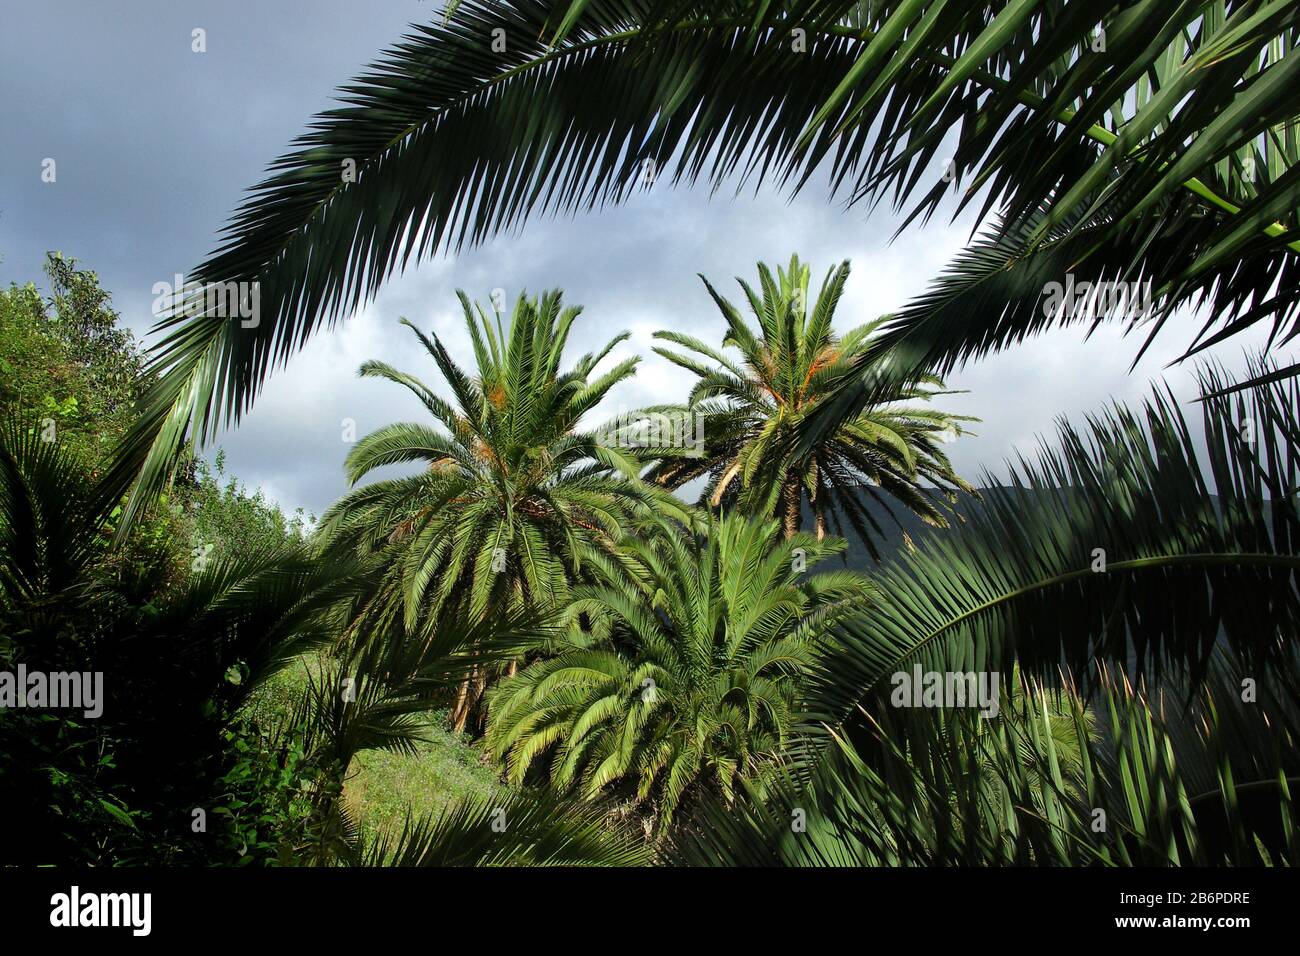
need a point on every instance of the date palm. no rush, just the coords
(696, 686)
(787, 365)
(511, 485)
(1117, 141)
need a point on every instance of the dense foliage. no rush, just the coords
(1145, 603)
(65, 364)
(177, 621)
(1111, 633)
(692, 677)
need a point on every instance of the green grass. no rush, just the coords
(382, 786)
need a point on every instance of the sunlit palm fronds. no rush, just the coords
(514, 482)
(696, 687)
(519, 830)
(748, 408)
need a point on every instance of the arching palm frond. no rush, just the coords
(518, 830)
(1137, 584)
(1177, 124)
(1119, 546)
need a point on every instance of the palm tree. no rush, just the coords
(1116, 142)
(695, 686)
(788, 365)
(1144, 582)
(512, 486)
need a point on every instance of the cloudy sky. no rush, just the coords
(155, 143)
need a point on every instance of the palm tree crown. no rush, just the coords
(697, 681)
(512, 483)
(789, 364)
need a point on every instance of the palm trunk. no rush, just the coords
(476, 694)
(818, 511)
(460, 713)
(790, 501)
